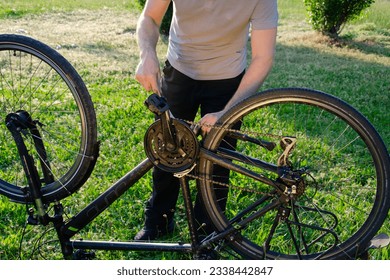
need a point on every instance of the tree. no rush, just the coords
(166, 22)
(330, 16)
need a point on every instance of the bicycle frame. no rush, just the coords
(289, 203)
(20, 121)
(90, 212)
(67, 230)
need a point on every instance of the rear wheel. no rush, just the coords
(37, 82)
(329, 199)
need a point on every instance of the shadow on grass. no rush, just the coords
(362, 84)
(368, 45)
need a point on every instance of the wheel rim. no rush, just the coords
(337, 151)
(32, 82)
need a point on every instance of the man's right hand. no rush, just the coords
(148, 70)
(148, 73)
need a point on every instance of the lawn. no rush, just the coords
(98, 38)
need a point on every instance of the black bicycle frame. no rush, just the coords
(20, 123)
(96, 207)
(66, 230)
(91, 211)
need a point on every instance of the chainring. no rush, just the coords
(179, 160)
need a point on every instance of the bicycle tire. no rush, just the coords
(37, 79)
(345, 197)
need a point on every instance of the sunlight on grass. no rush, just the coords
(19, 8)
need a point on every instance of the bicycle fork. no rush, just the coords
(21, 123)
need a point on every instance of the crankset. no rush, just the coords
(176, 160)
(169, 143)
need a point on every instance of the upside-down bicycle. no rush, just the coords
(309, 175)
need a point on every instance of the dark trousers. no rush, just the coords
(185, 97)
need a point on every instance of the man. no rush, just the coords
(206, 68)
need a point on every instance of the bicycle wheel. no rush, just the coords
(328, 197)
(40, 83)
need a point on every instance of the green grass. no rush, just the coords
(98, 38)
(19, 8)
(377, 14)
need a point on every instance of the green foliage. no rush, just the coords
(166, 22)
(329, 16)
(141, 3)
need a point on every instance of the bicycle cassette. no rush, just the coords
(178, 160)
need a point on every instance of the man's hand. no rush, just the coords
(148, 73)
(148, 70)
(263, 48)
(208, 121)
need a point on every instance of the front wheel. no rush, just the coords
(327, 194)
(39, 85)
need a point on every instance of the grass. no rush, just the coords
(19, 8)
(98, 38)
(376, 15)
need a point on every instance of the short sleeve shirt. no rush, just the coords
(208, 38)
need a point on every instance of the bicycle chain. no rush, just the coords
(218, 127)
(192, 123)
(226, 185)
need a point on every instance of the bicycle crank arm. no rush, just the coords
(159, 106)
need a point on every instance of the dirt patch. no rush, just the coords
(103, 38)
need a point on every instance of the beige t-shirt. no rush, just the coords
(208, 38)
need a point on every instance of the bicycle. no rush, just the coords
(308, 174)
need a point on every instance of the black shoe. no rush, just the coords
(149, 233)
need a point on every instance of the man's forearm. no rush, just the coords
(252, 80)
(148, 70)
(263, 51)
(147, 35)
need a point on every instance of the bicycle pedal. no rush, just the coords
(380, 241)
(156, 104)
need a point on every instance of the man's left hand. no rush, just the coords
(208, 121)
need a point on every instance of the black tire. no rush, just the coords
(345, 196)
(37, 79)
